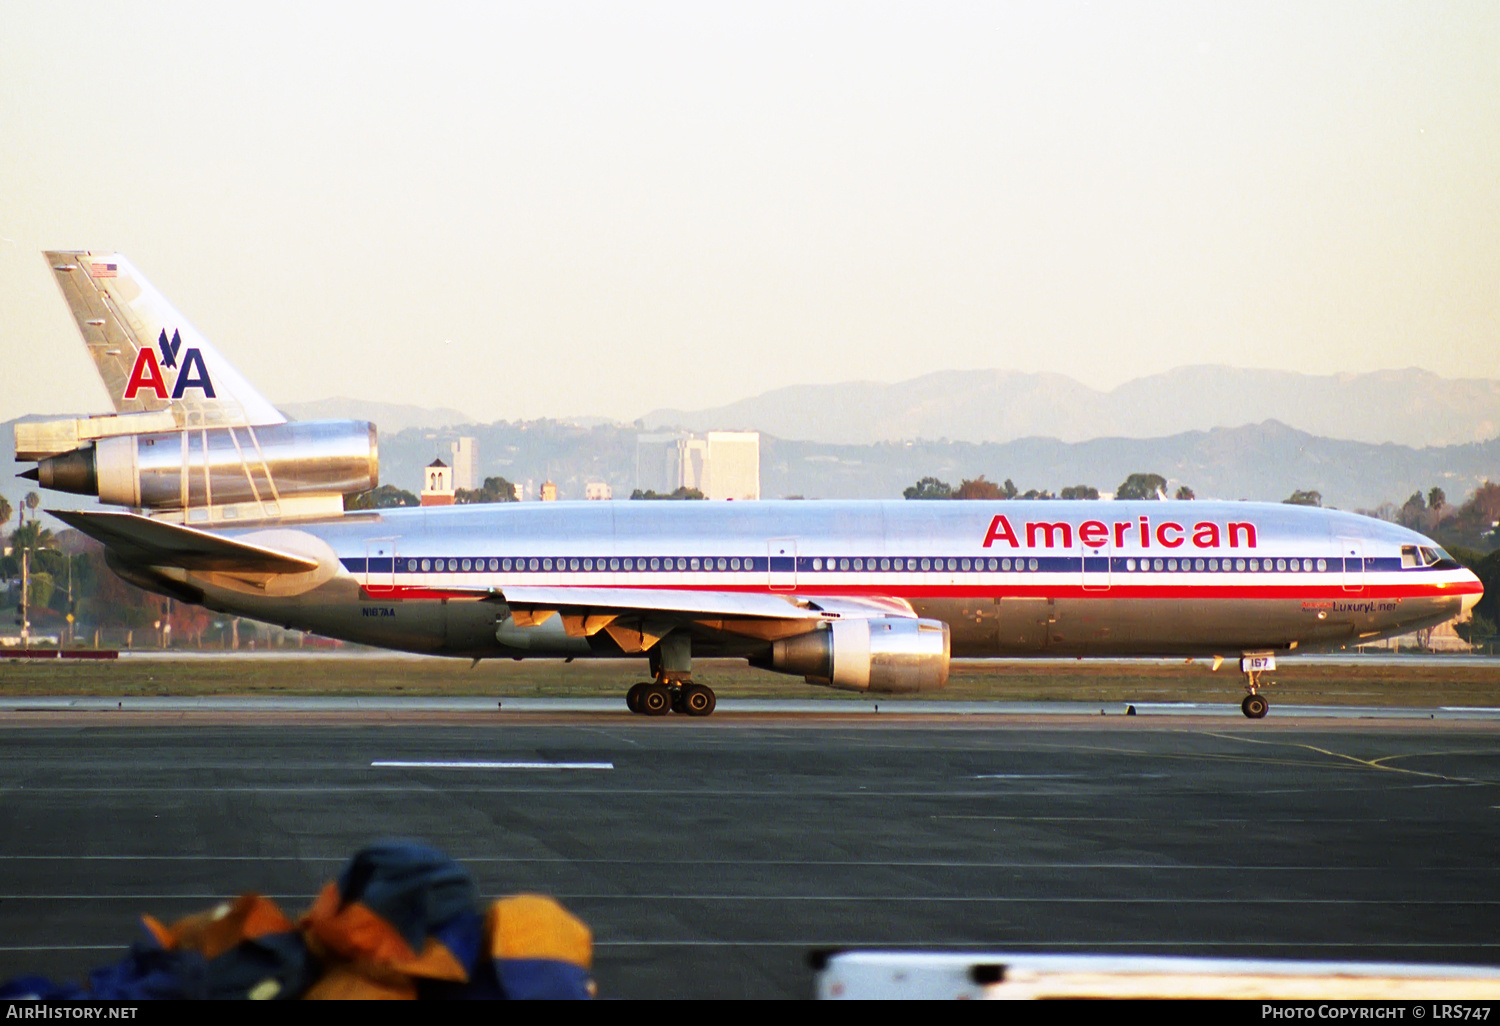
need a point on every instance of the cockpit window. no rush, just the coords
(1425, 555)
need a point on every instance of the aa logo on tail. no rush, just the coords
(147, 374)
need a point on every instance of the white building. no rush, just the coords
(437, 484)
(463, 463)
(733, 465)
(721, 464)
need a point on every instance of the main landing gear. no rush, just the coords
(672, 688)
(657, 698)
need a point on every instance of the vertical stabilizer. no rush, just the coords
(152, 360)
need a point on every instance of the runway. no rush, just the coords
(466, 709)
(710, 857)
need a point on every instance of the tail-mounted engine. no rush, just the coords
(214, 474)
(884, 654)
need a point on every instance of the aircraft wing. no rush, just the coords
(636, 618)
(650, 600)
(148, 542)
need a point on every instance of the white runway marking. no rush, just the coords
(393, 764)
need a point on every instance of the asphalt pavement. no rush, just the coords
(710, 857)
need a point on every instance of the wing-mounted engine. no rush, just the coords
(214, 475)
(887, 654)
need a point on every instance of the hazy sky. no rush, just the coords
(555, 209)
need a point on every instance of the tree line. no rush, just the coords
(1136, 486)
(67, 573)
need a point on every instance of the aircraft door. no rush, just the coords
(781, 564)
(380, 564)
(1352, 553)
(1096, 562)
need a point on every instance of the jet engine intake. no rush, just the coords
(885, 654)
(216, 466)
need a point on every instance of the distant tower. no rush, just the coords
(437, 485)
(549, 492)
(463, 453)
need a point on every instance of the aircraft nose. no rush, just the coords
(1472, 599)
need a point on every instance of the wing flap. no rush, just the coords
(601, 601)
(146, 542)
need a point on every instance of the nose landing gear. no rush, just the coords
(1253, 664)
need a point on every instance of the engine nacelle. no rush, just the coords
(887, 654)
(219, 466)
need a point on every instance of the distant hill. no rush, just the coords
(1266, 461)
(1408, 407)
(387, 417)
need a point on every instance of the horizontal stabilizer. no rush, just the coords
(146, 542)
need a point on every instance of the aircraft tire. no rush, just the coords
(655, 700)
(633, 697)
(1255, 707)
(698, 700)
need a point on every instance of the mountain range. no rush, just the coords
(1409, 407)
(1360, 440)
(387, 417)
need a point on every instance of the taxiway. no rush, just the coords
(710, 857)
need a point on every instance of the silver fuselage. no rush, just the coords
(1009, 578)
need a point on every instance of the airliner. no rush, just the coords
(226, 503)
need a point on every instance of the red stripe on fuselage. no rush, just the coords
(1324, 590)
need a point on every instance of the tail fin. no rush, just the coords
(150, 357)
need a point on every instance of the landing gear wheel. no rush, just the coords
(698, 700)
(655, 700)
(677, 700)
(1255, 706)
(633, 697)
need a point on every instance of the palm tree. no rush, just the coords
(5, 511)
(32, 536)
